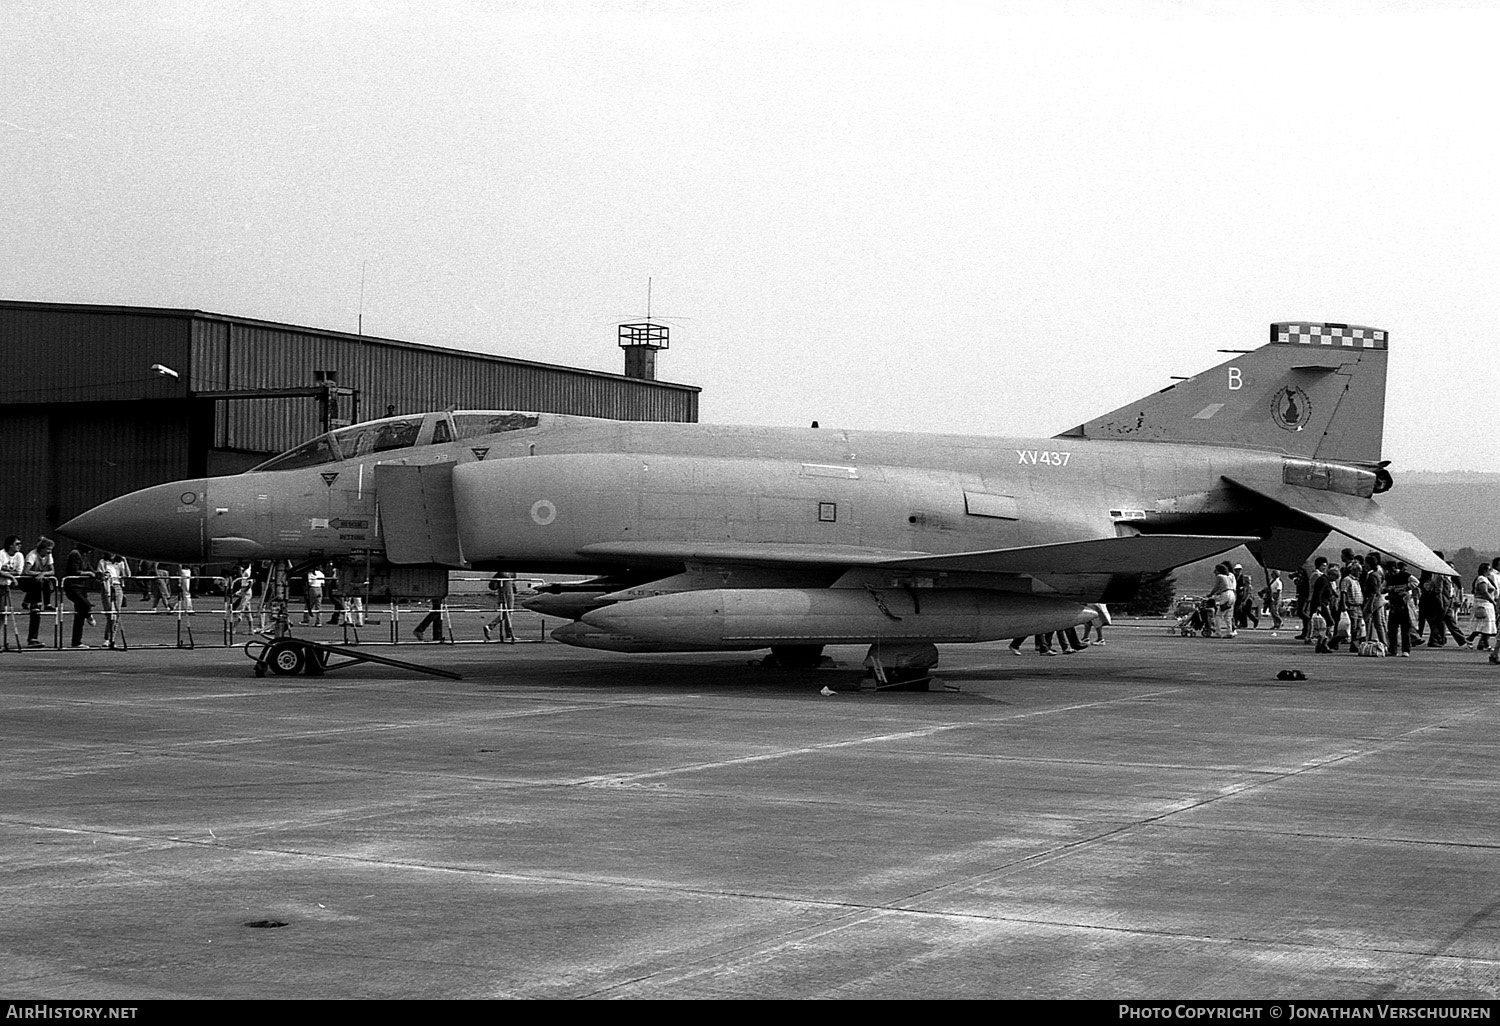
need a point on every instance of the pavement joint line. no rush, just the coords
(1454, 936)
(322, 948)
(331, 771)
(365, 728)
(151, 843)
(857, 917)
(1037, 858)
(344, 815)
(187, 749)
(1337, 768)
(623, 779)
(848, 911)
(1315, 835)
(618, 779)
(1186, 805)
(1105, 763)
(521, 877)
(574, 704)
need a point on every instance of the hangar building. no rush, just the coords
(97, 401)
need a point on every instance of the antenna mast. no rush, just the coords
(641, 342)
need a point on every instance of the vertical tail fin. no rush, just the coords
(1315, 390)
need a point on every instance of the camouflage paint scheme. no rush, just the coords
(709, 536)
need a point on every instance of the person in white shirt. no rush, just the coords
(113, 572)
(314, 596)
(1352, 602)
(239, 593)
(1273, 599)
(12, 566)
(1100, 620)
(39, 578)
(1484, 607)
(1223, 597)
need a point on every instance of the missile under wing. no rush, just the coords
(710, 537)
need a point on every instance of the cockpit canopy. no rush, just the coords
(375, 437)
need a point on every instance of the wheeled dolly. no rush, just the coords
(287, 657)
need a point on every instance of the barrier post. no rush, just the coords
(184, 613)
(114, 627)
(236, 604)
(57, 624)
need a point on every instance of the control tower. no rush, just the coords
(641, 342)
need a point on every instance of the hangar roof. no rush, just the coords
(80, 352)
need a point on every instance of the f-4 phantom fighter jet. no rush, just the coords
(707, 537)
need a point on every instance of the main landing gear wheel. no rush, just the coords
(286, 657)
(904, 666)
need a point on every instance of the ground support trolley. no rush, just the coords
(289, 656)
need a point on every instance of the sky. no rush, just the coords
(935, 215)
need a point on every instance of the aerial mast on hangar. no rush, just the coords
(641, 342)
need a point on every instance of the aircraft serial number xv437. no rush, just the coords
(708, 537)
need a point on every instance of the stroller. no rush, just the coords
(1200, 621)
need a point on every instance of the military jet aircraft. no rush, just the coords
(708, 537)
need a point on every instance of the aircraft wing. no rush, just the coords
(1358, 518)
(1146, 553)
(1134, 554)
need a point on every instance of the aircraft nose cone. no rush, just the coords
(164, 522)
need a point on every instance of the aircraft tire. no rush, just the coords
(286, 657)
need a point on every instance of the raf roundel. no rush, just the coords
(188, 498)
(1291, 408)
(543, 512)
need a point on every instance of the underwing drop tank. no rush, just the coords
(758, 617)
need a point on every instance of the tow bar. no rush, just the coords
(289, 656)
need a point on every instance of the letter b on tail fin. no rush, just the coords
(1314, 390)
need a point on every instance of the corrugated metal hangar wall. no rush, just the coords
(84, 417)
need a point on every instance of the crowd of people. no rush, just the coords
(503, 587)
(319, 582)
(32, 583)
(35, 579)
(1365, 604)
(1369, 605)
(1067, 640)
